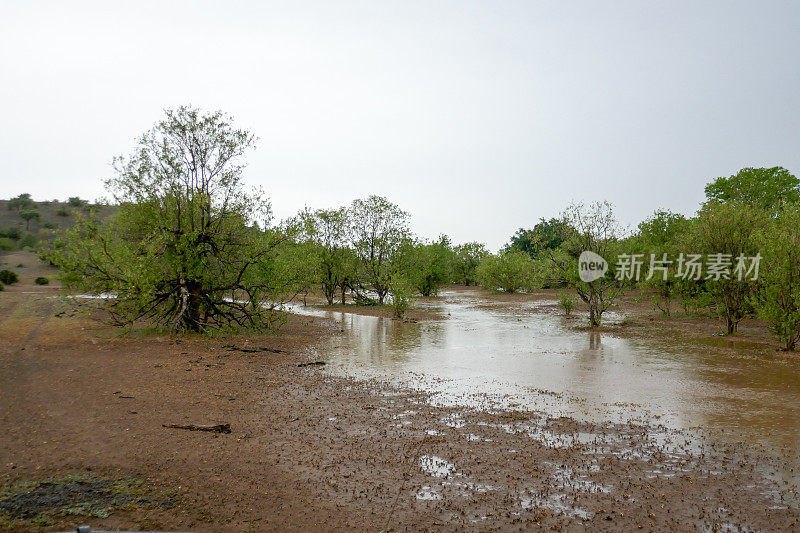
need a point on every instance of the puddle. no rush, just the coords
(436, 466)
(489, 356)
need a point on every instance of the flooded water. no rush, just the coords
(491, 356)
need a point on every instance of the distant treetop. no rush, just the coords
(769, 188)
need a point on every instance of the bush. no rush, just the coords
(567, 302)
(1, 287)
(401, 291)
(510, 272)
(6, 244)
(778, 299)
(49, 225)
(41, 280)
(28, 241)
(8, 277)
(63, 212)
(75, 201)
(13, 233)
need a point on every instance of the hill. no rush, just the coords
(26, 223)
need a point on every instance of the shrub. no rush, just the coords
(6, 244)
(401, 291)
(75, 201)
(778, 300)
(1, 287)
(63, 212)
(13, 233)
(8, 277)
(28, 241)
(41, 280)
(509, 271)
(49, 225)
(567, 302)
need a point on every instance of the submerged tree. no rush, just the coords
(377, 229)
(589, 229)
(327, 230)
(182, 251)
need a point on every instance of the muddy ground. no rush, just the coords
(83, 408)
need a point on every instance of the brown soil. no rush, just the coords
(312, 452)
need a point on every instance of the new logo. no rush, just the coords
(591, 266)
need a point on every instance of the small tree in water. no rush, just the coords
(594, 229)
(182, 250)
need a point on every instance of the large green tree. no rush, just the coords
(328, 230)
(778, 297)
(509, 271)
(465, 263)
(767, 188)
(545, 235)
(726, 231)
(183, 251)
(377, 229)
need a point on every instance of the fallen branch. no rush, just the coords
(215, 428)
(313, 363)
(233, 348)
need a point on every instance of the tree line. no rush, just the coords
(190, 248)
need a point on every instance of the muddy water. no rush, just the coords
(517, 356)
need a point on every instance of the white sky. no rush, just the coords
(476, 117)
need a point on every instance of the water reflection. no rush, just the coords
(500, 356)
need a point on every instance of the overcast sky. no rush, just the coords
(476, 117)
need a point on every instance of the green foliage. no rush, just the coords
(28, 240)
(508, 271)
(728, 228)
(426, 266)
(567, 302)
(12, 233)
(401, 290)
(546, 235)
(181, 252)
(336, 267)
(41, 280)
(23, 201)
(7, 244)
(63, 212)
(377, 229)
(466, 259)
(661, 235)
(765, 188)
(27, 215)
(594, 229)
(778, 299)
(8, 277)
(75, 201)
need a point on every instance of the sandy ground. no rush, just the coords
(82, 405)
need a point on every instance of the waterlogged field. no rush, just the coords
(526, 355)
(487, 412)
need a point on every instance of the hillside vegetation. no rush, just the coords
(25, 223)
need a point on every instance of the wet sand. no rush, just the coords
(313, 451)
